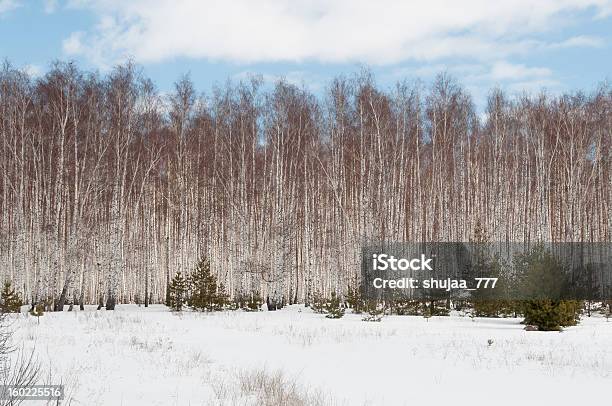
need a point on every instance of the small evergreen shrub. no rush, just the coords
(206, 293)
(569, 312)
(318, 303)
(436, 308)
(254, 303)
(10, 302)
(334, 308)
(542, 278)
(374, 310)
(406, 307)
(250, 302)
(493, 308)
(354, 299)
(550, 315)
(543, 314)
(177, 292)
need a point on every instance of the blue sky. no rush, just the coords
(514, 44)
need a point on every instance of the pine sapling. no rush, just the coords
(177, 292)
(334, 308)
(206, 294)
(318, 303)
(354, 298)
(254, 302)
(375, 311)
(10, 302)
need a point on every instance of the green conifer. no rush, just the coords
(254, 302)
(334, 308)
(544, 283)
(10, 302)
(206, 294)
(318, 303)
(375, 311)
(487, 302)
(177, 292)
(354, 297)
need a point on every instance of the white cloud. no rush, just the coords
(534, 86)
(480, 78)
(431, 70)
(72, 45)
(375, 32)
(490, 73)
(513, 77)
(33, 70)
(8, 5)
(503, 71)
(50, 6)
(580, 41)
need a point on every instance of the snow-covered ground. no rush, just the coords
(138, 356)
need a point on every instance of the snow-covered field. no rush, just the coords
(138, 356)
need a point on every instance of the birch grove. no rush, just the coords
(108, 188)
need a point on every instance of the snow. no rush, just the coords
(150, 356)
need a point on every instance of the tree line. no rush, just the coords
(108, 187)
